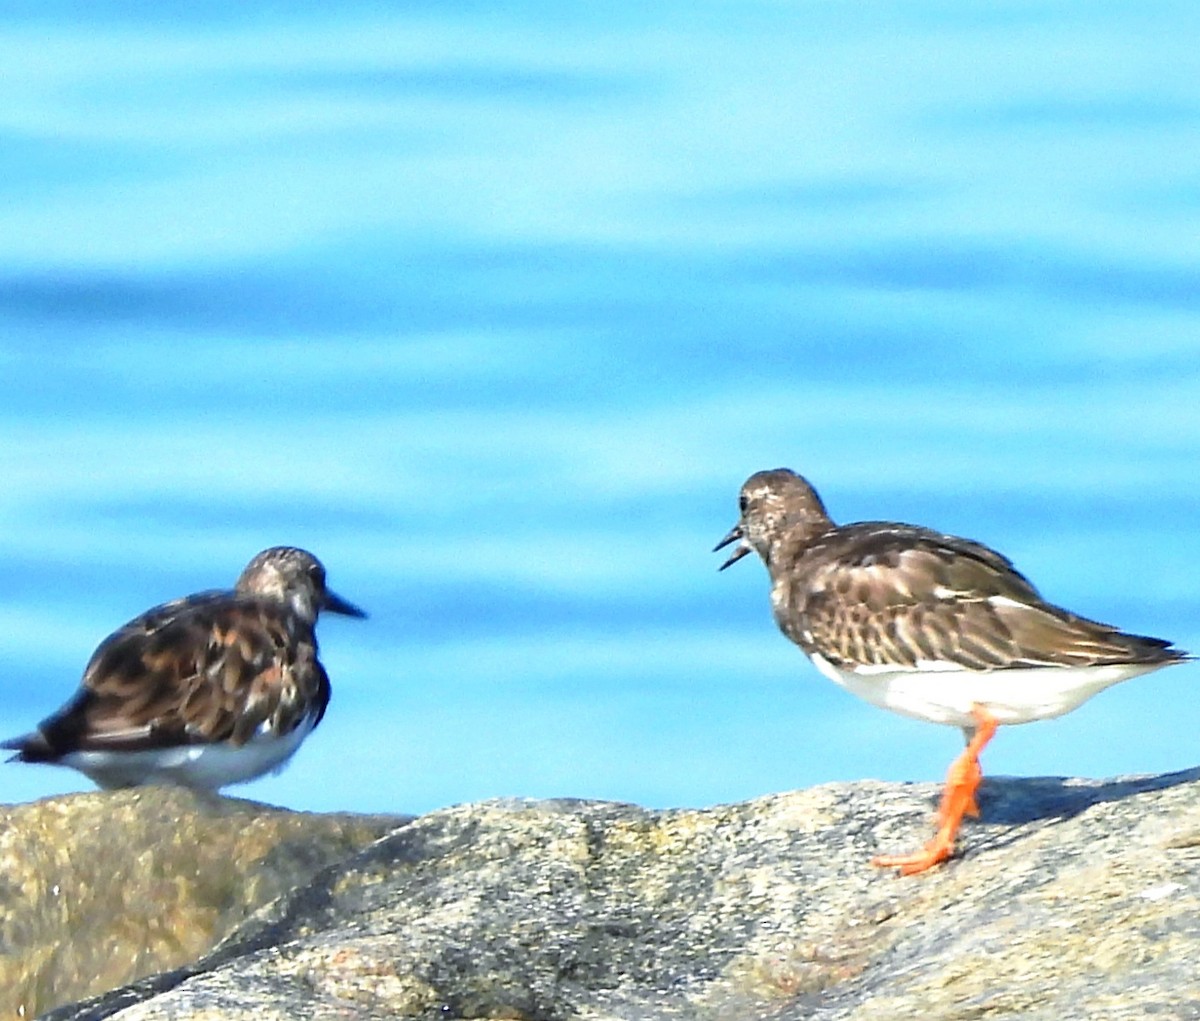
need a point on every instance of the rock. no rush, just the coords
(1070, 900)
(99, 889)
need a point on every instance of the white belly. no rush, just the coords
(200, 766)
(944, 693)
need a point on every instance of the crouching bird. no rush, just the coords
(208, 690)
(929, 625)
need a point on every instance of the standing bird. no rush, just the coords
(928, 625)
(212, 689)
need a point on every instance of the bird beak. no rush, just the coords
(735, 534)
(334, 603)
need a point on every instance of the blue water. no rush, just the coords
(494, 307)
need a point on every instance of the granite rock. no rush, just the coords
(98, 889)
(1069, 900)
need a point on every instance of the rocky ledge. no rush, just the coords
(98, 889)
(1070, 900)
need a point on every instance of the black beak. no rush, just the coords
(734, 535)
(334, 603)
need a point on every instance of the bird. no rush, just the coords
(212, 689)
(929, 625)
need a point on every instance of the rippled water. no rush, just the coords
(495, 308)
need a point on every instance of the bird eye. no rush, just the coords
(743, 503)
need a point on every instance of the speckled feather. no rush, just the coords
(212, 667)
(215, 668)
(879, 593)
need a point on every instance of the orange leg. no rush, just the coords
(958, 800)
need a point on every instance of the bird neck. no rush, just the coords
(795, 540)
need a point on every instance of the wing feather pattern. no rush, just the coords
(211, 667)
(882, 595)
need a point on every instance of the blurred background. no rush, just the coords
(494, 307)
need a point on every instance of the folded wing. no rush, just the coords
(213, 667)
(906, 597)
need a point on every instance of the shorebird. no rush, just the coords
(212, 689)
(929, 625)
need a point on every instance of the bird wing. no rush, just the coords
(900, 596)
(212, 667)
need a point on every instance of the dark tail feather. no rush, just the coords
(1155, 650)
(32, 747)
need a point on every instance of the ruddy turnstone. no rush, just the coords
(212, 689)
(928, 625)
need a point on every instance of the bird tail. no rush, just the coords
(1145, 649)
(31, 747)
(1050, 635)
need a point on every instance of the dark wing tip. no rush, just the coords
(1146, 649)
(1173, 654)
(32, 747)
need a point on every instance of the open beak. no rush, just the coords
(334, 603)
(735, 535)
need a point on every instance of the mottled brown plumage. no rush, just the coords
(927, 624)
(223, 669)
(878, 593)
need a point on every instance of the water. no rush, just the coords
(495, 308)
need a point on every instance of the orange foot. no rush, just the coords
(958, 800)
